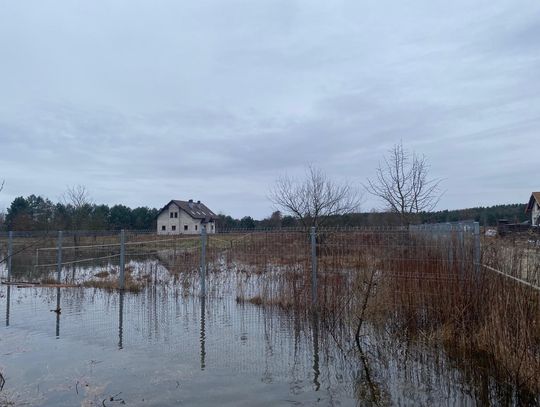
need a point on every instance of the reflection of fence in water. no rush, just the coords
(220, 334)
(216, 333)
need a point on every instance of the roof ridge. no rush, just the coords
(195, 209)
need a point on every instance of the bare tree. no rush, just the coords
(77, 200)
(314, 198)
(77, 196)
(403, 183)
(2, 184)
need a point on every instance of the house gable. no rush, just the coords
(185, 217)
(534, 202)
(533, 207)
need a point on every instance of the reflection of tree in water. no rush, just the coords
(367, 389)
(389, 367)
(393, 368)
(309, 350)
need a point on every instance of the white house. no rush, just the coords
(185, 217)
(533, 207)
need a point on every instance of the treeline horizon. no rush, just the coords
(486, 216)
(39, 213)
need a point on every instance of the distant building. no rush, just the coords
(533, 207)
(185, 217)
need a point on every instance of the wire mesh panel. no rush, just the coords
(76, 257)
(515, 255)
(161, 259)
(267, 266)
(20, 256)
(399, 265)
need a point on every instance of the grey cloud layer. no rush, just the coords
(213, 100)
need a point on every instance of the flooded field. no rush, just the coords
(382, 317)
(161, 348)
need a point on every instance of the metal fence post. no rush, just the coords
(121, 281)
(10, 254)
(203, 261)
(476, 247)
(59, 257)
(461, 251)
(313, 265)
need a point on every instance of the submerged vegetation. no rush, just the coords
(109, 281)
(414, 287)
(411, 287)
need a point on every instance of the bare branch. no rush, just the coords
(314, 198)
(403, 184)
(77, 196)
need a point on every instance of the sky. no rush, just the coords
(147, 101)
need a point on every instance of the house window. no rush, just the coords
(185, 227)
(172, 214)
(173, 227)
(211, 227)
(176, 214)
(195, 227)
(163, 227)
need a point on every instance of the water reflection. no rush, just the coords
(160, 329)
(8, 303)
(203, 333)
(365, 381)
(315, 330)
(58, 310)
(121, 319)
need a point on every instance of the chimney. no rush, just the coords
(190, 203)
(198, 202)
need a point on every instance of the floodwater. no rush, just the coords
(159, 348)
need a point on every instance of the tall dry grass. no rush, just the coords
(423, 287)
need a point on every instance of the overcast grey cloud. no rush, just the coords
(143, 102)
